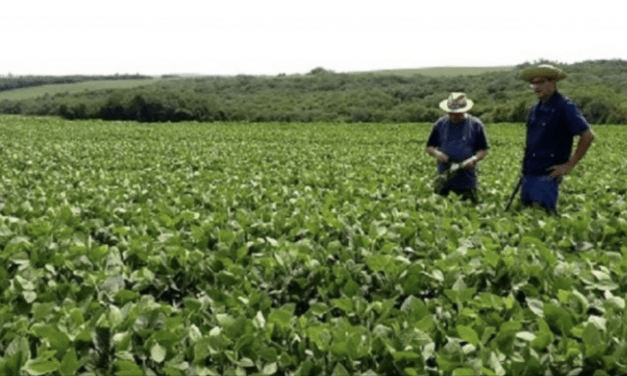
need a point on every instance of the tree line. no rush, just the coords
(598, 87)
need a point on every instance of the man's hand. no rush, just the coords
(441, 157)
(585, 140)
(437, 154)
(470, 162)
(559, 171)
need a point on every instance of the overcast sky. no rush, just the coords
(269, 37)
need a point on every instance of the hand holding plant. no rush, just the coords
(470, 162)
(441, 157)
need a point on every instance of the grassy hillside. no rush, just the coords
(95, 85)
(73, 88)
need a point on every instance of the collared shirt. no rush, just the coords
(459, 141)
(551, 128)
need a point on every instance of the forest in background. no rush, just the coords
(599, 88)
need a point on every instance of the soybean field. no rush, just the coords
(300, 249)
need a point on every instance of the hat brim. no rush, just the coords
(444, 107)
(551, 73)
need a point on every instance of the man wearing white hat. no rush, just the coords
(553, 122)
(458, 142)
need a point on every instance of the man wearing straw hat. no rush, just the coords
(553, 122)
(458, 142)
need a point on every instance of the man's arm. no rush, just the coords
(437, 154)
(585, 140)
(480, 145)
(472, 161)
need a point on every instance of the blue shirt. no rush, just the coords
(459, 141)
(551, 128)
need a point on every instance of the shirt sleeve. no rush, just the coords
(434, 137)
(575, 120)
(481, 141)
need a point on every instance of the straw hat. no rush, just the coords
(456, 102)
(543, 70)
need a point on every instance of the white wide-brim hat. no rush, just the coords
(456, 102)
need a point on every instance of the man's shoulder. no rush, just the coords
(441, 121)
(563, 101)
(571, 113)
(475, 121)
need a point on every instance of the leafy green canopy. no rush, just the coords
(298, 249)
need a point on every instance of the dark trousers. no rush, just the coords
(465, 194)
(542, 190)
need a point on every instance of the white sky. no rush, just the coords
(256, 37)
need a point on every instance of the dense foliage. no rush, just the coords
(599, 87)
(299, 249)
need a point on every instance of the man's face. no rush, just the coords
(543, 87)
(456, 117)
